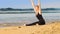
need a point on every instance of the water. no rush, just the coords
(27, 16)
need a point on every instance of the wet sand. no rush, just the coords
(51, 28)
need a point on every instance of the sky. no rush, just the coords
(27, 3)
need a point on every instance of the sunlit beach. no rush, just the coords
(29, 17)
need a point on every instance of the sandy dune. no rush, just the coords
(53, 28)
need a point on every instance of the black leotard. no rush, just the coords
(40, 22)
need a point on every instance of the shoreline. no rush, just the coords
(21, 24)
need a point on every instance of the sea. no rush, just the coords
(26, 17)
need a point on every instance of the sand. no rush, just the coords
(52, 28)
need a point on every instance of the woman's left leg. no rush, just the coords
(32, 23)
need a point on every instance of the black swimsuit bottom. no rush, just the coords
(40, 22)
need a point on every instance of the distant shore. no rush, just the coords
(29, 9)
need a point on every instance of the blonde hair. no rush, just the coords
(37, 6)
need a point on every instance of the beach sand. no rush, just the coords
(52, 28)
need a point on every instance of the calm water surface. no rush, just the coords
(28, 17)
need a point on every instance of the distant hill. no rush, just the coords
(30, 9)
(12, 9)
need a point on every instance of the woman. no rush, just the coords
(38, 12)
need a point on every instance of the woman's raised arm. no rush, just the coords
(33, 3)
(39, 2)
